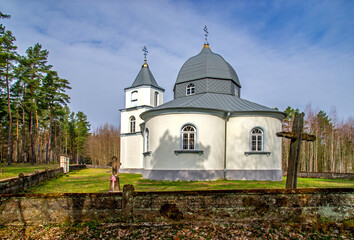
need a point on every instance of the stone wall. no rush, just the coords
(98, 166)
(23, 182)
(278, 205)
(326, 175)
(77, 167)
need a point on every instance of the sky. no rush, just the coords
(285, 53)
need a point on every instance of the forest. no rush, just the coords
(36, 125)
(332, 151)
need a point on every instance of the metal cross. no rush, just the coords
(206, 34)
(145, 52)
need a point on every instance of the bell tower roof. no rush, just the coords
(145, 77)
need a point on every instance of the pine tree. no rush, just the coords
(55, 98)
(36, 68)
(82, 131)
(8, 56)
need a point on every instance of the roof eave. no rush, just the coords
(149, 85)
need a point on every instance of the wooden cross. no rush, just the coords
(296, 136)
(114, 181)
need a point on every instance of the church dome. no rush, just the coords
(207, 65)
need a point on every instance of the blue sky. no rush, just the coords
(286, 53)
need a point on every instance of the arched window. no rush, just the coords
(134, 99)
(190, 89)
(257, 139)
(132, 124)
(134, 96)
(156, 100)
(146, 140)
(188, 137)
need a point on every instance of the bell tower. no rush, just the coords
(142, 95)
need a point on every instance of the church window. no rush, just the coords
(132, 124)
(156, 100)
(188, 137)
(134, 96)
(257, 139)
(146, 140)
(190, 89)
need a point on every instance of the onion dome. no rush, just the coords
(207, 65)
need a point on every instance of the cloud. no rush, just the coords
(284, 53)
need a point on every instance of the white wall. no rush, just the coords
(165, 139)
(131, 151)
(238, 143)
(125, 119)
(146, 96)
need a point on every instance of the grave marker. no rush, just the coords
(296, 136)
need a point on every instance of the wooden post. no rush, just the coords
(296, 137)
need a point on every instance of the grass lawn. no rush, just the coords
(16, 168)
(95, 180)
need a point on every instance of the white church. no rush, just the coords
(206, 132)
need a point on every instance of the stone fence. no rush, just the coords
(326, 175)
(98, 166)
(276, 205)
(23, 182)
(77, 167)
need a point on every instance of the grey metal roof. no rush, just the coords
(206, 65)
(214, 101)
(145, 77)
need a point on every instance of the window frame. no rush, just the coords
(256, 144)
(146, 140)
(156, 98)
(132, 124)
(190, 89)
(191, 141)
(134, 96)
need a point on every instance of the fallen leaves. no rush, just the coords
(203, 231)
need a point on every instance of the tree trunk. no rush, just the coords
(23, 130)
(17, 139)
(9, 146)
(49, 136)
(33, 157)
(38, 140)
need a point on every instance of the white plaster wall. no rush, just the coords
(125, 123)
(131, 151)
(152, 97)
(238, 143)
(165, 139)
(145, 96)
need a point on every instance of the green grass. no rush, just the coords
(95, 180)
(16, 168)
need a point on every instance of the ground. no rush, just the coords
(178, 231)
(95, 180)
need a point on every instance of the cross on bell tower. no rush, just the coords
(145, 52)
(205, 29)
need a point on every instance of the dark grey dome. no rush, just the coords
(207, 65)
